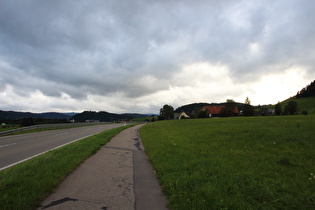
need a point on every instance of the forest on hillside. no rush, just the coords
(103, 116)
(308, 91)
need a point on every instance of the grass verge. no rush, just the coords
(234, 163)
(9, 127)
(25, 185)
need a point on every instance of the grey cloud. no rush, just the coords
(105, 47)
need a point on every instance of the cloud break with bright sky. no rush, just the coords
(136, 56)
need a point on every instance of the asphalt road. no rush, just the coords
(18, 148)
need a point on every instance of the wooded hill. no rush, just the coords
(308, 91)
(305, 99)
(12, 115)
(304, 104)
(54, 117)
(104, 116)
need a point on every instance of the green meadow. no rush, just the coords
(235, 163)
(304, 104)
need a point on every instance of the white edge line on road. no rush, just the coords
(21, 161)
(7, 145)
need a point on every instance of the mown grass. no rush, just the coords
(25, 185)
(234, 163)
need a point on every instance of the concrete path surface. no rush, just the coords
(118, 176)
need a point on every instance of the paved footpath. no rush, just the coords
(118, 176)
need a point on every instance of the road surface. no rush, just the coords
(18, 148)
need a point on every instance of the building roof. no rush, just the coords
(183, 114)
(217, 109)
(213, 109)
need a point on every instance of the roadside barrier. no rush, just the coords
(27, 128)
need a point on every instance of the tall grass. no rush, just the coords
(25, 185)
(235, 163)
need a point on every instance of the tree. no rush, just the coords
(27, 121)
(224, 112)
(248, 109)
(229, 108)
(292, 107)
(167, 112)
(278, 109)
(286, 110)
(203, 113)
(263, 111)
(308, 91)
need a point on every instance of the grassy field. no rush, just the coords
(304, 104)
(235, 163)
(25, 185)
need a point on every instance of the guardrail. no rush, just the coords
(27, 128)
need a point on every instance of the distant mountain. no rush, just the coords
(12, 115)
(70, 114)
(135, 115)
(103, 116)
(80, 117)
(54, 115)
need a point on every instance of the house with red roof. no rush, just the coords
(214, 111)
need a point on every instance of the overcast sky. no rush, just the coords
(136, 56)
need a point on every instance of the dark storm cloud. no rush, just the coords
(106, 47)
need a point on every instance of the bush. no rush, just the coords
(305, 112)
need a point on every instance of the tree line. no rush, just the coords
(289, 109)
(167, 111)
(28, 121)
(228, 110)
(308, 91)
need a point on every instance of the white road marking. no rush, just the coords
(7, 145)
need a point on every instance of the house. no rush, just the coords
(214, 111)
(183, 114)
(271, 112)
